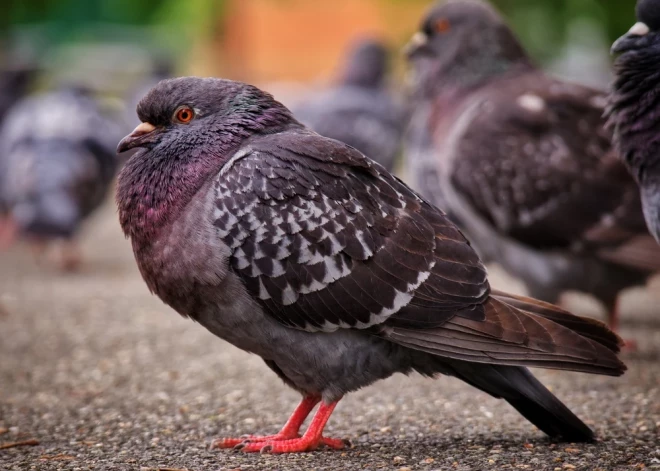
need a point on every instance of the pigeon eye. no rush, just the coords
(442, 26)
(184, 114)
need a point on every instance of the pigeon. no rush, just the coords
(523, 162)
(359, 110)
(632, 109)
(14, 84)
(57, 161)
(302, 250)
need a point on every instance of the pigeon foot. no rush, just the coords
(289, 431)
(296, 445)
(238, 443)
(8, 232)
(288, 439)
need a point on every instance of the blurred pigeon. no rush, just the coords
(300, 249)
(523, 161)
(14, 84)
(57, 161)
(633, 111)
(359, 110)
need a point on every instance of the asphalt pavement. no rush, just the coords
(95, 373)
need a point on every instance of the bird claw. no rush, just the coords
(292, 445)
(239, 443)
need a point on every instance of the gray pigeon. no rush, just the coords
(522, 161)
(300, 249)
(359, 110)
(633, 109)
(14, 84)
(57, 161)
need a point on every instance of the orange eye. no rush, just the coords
(184, 114)
(442, 25)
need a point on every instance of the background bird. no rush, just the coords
(15, 81)
(359, 109)
(523, 161)
(302, 250)
(633, 111)
(57, 161)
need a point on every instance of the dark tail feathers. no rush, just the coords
(523, 391)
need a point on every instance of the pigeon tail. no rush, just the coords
(527, 395)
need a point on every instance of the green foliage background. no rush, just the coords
(542, 24)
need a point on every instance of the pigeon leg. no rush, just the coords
(613, 322)
(311, 440)
(289, 431)
(70, 256)
(8, 232)
(613, 318)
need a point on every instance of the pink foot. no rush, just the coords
(8, 232)
(629, 346)
(238, 443)
(295, 445)
(288, 440)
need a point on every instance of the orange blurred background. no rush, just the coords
(299, 40)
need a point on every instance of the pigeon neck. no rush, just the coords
(364, 77)
(634, 111)
(476, 70)
(154, 187)
(153, 190)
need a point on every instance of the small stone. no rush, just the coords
(398, 460)
(529, 446)
(572, 450)
(568, 466)
(405, 468)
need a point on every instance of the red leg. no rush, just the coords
(70, 257)
(8, 232)
(614, 323)
(311, 440)
(290, 429)
(613, 318)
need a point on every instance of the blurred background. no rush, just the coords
(114, 42)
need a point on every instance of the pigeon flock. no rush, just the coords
(285, 232)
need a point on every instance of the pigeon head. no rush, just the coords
(190, 112)
(190, 127)
(648, 12)
(643, 36)
(366, 64)
(463, 42)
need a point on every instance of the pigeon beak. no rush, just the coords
(137, 138)
(629, 39)
(417, 42)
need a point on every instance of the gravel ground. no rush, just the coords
(103, 376)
